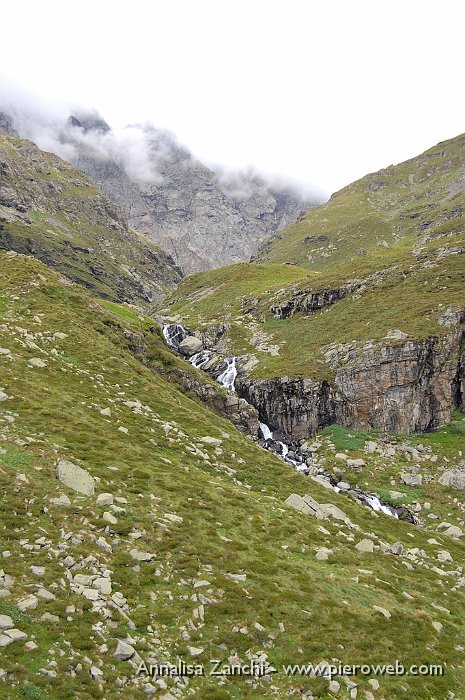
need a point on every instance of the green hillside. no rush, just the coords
(385, 213)
(52, 211)
(186, 548)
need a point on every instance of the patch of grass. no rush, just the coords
(346, 439)
(32, 692)
(128, 314)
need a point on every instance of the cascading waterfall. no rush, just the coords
(175, 334)
(374, 503)
(228, 377)
(266, 432)
(268, 436)
(200, 359)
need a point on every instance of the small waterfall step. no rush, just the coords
(174, 334)
(228, 377)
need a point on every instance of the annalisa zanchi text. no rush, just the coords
(259, 669)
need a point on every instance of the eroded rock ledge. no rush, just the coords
(403, 388)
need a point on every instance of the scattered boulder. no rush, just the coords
(28, 602)
(314, 506)
(16, 635)
(75, 478)
(103, 585)
(109, 518)
(190, 346)
(323, 553)
(105, 499)
(397, 548)
(411, 479)
(365, 545)
(298, 503)
(141, 556)
(194, 651)
(36, 362)
(355, 463)
(371, 446)
(444, 555)
(208, 440)
(331, 511)
(453, 478)
(61, 500)
(124, 651)
(453, 531)
(6, 622)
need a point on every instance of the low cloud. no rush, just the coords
(141, 150)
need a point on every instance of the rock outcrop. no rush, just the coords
(6, 126)
(292, 407)
(406, 387)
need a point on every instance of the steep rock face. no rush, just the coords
(296, 408)
(6, 126)
(405, 388)
(309, 302)
(199, 217)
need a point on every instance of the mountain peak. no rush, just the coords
(89, 121)
(6, 126)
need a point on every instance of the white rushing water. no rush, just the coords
(375, 503)
(266, 432)
(228, 377)
(284, 448)
(174, 334)
(200, 359)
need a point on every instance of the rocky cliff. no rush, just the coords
(405, 388)
(201, 218)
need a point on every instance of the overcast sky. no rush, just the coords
(319, 92)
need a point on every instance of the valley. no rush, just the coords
(253, 467)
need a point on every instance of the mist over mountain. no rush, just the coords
(204, 217)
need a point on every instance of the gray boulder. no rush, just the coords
(411, 479)
(190, 346)
(75, 478)
(453, 478)
(124, 651)
(298, 503)
(365, 545)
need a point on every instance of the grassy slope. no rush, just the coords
(399, 204)
(420, 280)
(232, 522)
(68, 224)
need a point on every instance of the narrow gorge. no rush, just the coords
(300, 454)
